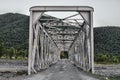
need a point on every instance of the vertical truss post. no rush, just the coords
(88, 17)
(30, 44)
(47, 45)
(92, 42)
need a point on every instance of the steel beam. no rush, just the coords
(61, 8)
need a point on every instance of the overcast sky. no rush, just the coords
(106, 12)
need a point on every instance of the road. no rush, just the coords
(62, 70)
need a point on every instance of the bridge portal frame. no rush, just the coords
(35, 14)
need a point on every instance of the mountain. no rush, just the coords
(14, 30)
(107, 40)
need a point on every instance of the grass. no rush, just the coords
(114, 78)
(21, 73)
(106, 63)
(100, 77)
(13, 58)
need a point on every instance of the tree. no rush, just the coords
(2, 49)
(11, 52)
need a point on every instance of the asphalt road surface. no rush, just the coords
(62, 70)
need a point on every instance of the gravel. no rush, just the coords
(107, 70)
(17, 69)
(13, 69)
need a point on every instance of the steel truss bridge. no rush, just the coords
(49, 35)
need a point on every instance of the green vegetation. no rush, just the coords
(108, 77)
(106, 58)
(107, 44)
(12, 53)
(2, 49)
(114, 78)
(14, 36)
(14, 30)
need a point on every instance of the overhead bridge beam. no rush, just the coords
(61, 8)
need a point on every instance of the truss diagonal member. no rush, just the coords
(77, 35)
(70, 16)
(35, 45)
(77, 22)
(46, 33)
(70, 23)
(57, 19)
(34, 17)
(49, 20)
(86, 16)
(67, 18)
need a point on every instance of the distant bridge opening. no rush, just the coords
(64, 55)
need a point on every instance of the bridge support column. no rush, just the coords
(92, 41)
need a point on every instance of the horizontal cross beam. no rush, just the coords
(61, 8)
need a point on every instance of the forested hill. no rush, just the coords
(14, 30)
(14, 33)
(107, 40)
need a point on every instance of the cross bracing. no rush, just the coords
(49, 35)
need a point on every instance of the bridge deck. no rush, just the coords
(62, 70)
